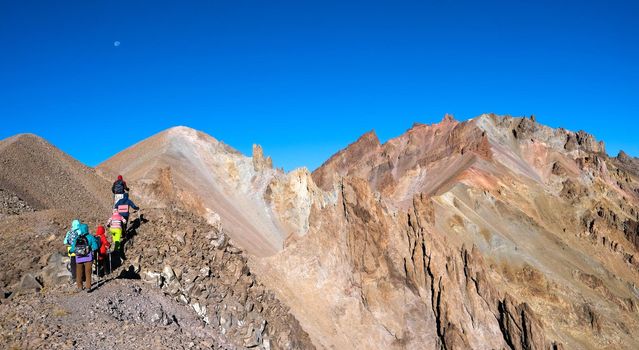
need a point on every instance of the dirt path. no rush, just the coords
(119, 314)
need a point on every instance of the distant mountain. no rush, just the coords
(44, 177)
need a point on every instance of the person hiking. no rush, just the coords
(119, 188)
(115, 224)
(69, 238)
(123, 206)
(84, 247)
(104, 249)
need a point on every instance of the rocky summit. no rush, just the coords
(492, 233)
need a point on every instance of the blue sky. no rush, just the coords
(304, 79)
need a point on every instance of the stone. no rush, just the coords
(56, 272)
(168, 274)
(157, 316)
(153, 277)
(180, 237)
(183, 299)
(226, 321)
(29, 283)
(205, 272)
(221, 241)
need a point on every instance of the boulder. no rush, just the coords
(29, 283)
(168, 274)
(221, 242)
(56, 272)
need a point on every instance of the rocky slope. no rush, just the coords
(44, 177)
(195, 264)
(199, 292)
(189, 168)
(183, 285)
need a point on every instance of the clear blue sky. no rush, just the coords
(305, 79)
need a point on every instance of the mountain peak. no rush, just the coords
(181, 129)
(25, 137)
(448, 118)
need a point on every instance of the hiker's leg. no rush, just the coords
(117, 237)
(72, 267)
(78, 274)
(87, 271)
(112, 232)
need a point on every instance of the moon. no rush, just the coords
(116, 43)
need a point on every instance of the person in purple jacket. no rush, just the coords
(84, 247)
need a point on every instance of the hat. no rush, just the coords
(119, 177)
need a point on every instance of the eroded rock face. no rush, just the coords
(493, 231)
(519, 326)
(417, 288)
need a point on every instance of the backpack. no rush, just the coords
(118, 187)
(73, 234)
(82, 248)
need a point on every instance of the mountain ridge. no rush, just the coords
(494, 232)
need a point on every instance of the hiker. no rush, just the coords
(115, 225)
(119, 188)
(104, 249)
(69, 238)
(84, 247)
(123, 206)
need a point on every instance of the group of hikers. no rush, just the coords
(87, 250)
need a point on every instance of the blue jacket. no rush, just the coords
(84, 231)
(125, 201)
(72, 233)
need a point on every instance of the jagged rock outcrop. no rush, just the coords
(197, 265)
(519, 326)
(259, 162)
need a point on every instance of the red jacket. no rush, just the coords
(104, 242)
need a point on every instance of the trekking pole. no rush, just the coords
(97, 267)
(110, 267)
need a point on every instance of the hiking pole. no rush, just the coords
(110, 267)
(97, 266)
